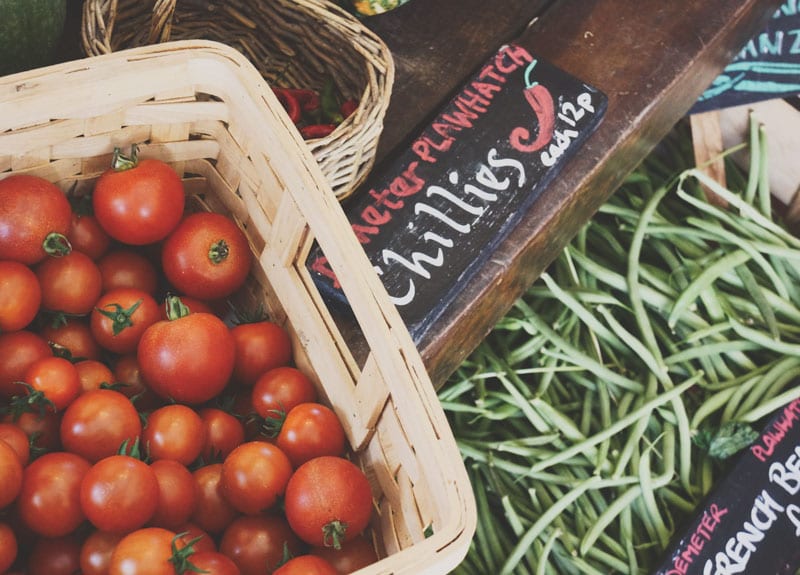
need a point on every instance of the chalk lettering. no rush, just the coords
(795, 35)
(793, 513)
(510, 58)
(485, 177)
(703, 533)
(741, 546)
(772, 437)
(787, 474)
(450, 197)
(442, 217)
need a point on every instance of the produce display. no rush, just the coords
(148, 425)
(614, 396)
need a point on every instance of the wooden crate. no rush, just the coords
(206, 110)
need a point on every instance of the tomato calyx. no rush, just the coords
(56, 245)
(176, 309)
(180, 557)
(120, 317)
(333, 534)
(270, 425)
(120, 162)
(218, 252)
(34, 401)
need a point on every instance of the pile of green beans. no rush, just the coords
(665, 317)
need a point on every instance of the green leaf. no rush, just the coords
(726, 441)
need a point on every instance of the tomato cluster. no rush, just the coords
(144, 430)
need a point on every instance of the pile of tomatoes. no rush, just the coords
(143, 430)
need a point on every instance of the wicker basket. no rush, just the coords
(293, 43)
(205, 109)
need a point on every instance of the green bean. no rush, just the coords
(541, 568)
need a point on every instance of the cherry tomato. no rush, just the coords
(194, 305)
(119, 494)
(306, 565)
(55, 555)
(214, 563)
(212, 512)
(31, 209)
(279, 390)
(138, 202)
(223, 432)
(201, 540)
(188, 359)
(177, 494)
(256, 542)
(146, 551)
(18, 350)
(207, 256)
(8, 546)
(310, 430)
(254, 476)
(128, 377)
(56, 378)
(20, 295)
(49, 503)
(70, 283)
(86, 235)
(98, 422)
(328, 501)
(17, 439)
(74, 338)
(260, 347)
(95, 556)
(93, 374)
(353, 555)
(120, 317)
(127, 268)
(174, 431)
(10, 474)
(42, 428)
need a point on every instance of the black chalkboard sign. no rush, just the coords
(430, 217)
(767, 67)
(751, 522)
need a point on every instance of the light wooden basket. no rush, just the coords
(293, 43)
(205, 109)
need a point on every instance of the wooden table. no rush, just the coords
(651, 58)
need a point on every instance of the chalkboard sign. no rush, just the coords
(430, 217)
(751, 521)
(767, 67)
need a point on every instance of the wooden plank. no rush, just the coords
(653, 60)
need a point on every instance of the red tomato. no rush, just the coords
(214, 563)
(18, 350)
(20, 295)
(310, 430)
(212, 512)
(8, 546)
(86, 235)
(31, 208)
(254, 476)
(279, 390)
(306, 565)
(70, 283)
(328, 501)
(120, 317)
(49, 503)
(260, 347)
(223, 432)
(98, 422)
(55, 555)
(42, 428)
(126, 268)
(56, 379)
(95, 556)
(138, 202)
(17, 439)
(353, 555)
(175, 432)
(189, 359)
(146, 551)
(93, 374)
(74, 337)
(256, 542)
(128, 376)
(10, 474)
(202, 541)
(193, 305)
(177, 494)
(207, 256)
(119, 494)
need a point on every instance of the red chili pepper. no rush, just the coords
(289, 103)
(541, 101)
(308, 99)
(314, 131)
(348, 107)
